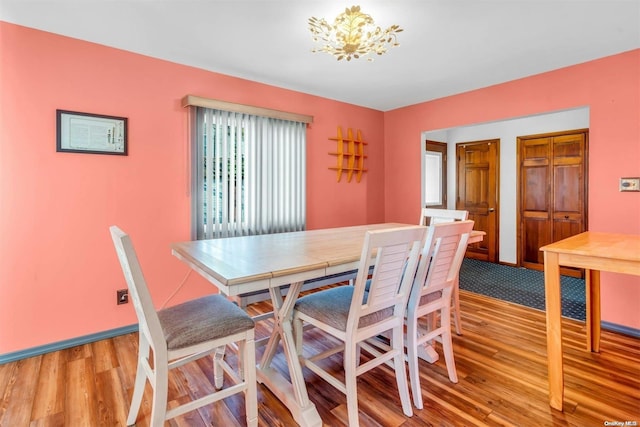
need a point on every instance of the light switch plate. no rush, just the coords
(630, 184)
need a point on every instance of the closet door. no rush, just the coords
(552, 191)
(535, 199)
(568, 189)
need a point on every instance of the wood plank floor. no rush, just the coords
(501, 362)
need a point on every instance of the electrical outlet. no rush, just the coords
(122, 296)
(630, 184)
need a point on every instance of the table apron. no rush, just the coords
(287, 279)
(592, 262)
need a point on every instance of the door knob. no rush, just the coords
(491, 209)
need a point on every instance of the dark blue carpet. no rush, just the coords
(521, 286)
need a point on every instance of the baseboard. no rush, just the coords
(61, 345)
(625, 330)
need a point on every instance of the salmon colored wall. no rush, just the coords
(610, 87)
(58, 268)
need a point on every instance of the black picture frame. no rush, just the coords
(89, 133)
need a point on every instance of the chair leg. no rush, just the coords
(397, 342)
(431, 320)
(456, 306)
(218, 372)
(160, 392)
(350, 380)
(412, 361)
(356, 357)
(248, 365)
(140, 381)
(447, 347)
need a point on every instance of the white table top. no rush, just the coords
(238, 265)
(247, 263)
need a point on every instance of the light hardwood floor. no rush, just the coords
(501, 361)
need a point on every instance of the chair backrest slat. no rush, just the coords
(437, 216)
(396, 254)
(441, 258)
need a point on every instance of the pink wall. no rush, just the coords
(610, 87)
(58, 269)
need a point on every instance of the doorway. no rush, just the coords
(477, 192)
(507, 131)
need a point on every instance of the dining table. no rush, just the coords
(594, 252)
(273, 262)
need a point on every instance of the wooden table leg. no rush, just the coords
(554, 329)
(592, 280)
(293, 394)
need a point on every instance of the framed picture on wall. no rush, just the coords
(90, 133)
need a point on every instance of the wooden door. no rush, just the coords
(569, 191)
(477, 192)
(552, 192)
(535, 199)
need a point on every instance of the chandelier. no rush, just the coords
(352, 35)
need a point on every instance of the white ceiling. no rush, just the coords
(447, 47)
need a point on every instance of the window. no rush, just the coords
(248, 174)
(435, 175)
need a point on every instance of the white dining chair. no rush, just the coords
(353, 315)
(430, 216)
(176, 335)
(430, 297)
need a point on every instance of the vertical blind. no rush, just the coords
(249, 174)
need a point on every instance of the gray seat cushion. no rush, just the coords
(201, 320)
(331, 306)
(430, 297)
